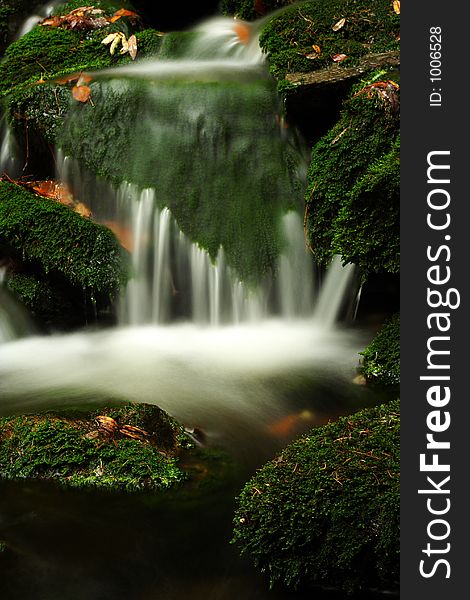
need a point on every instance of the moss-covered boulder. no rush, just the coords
(312, 35)
(251, 9)
(381, 362)
(212, 151)
(33, 74)
(131, 447)
(326, 510)
(52, 249)
(353, 182)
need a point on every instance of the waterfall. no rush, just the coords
(335, 288)
(14, 321)
(213, 185)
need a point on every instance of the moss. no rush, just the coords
(353, 183)
(326, 511)
(381, 363)
(76, 451)
(46, 233)
(3, 547)
(287, 38)
(213, 152)
(48, 52)
(247, 9)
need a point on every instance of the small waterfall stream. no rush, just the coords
(223, 322)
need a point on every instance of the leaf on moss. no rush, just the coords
(81, 92)
(339, 25)
(396, 6)
(316, 52)
(84, 17)
(132, 46)
(339, 57)
(123, 12)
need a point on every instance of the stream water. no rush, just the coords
(253, 365)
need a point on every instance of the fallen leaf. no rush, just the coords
(81, 92)
(339, 57)
(337, 26)
(109, 38)
(84, 79)
(125, 46)
(82, 210)
(396, 6)
(132, 46)
(123, 12)
(115, 43)
(316, 52)
(243, 32)
(107, 423)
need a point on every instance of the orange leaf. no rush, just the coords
(339, 57)
(243, 31)
(396, 6)
(84, 79)
(81, 92)
(123, 12)
(316, 48)
(337, 26)
(114, 19)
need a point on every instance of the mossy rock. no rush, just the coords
(213, 152)
(95, 449)
(251, 9)
(371, 26)
(326, 510)
(381, 362)
(59, 241)
(353, 182)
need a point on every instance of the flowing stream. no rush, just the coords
(231, 332)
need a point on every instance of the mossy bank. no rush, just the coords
(381, 358)
(326, 510)
(127, 447)
(353, 192)
(49, 248)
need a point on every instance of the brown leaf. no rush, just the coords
(339, 57)
(312, 55)
(81, 92)
(107, 423)
(123, 12)
(243, 32)
(82, 210)
(396, 6)
(339, 25)
(132, 46)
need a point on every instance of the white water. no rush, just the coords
(33, 20)
(230, 342)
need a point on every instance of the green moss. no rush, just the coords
(48, 52)
(46, 233)
(76, 451)
(353, 184)
(213, 152)
(245, 9)
(3, 547)
(287, 38)
(109, 6)
(381, 363)
(326, 511)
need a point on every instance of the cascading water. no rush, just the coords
(222, 296)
